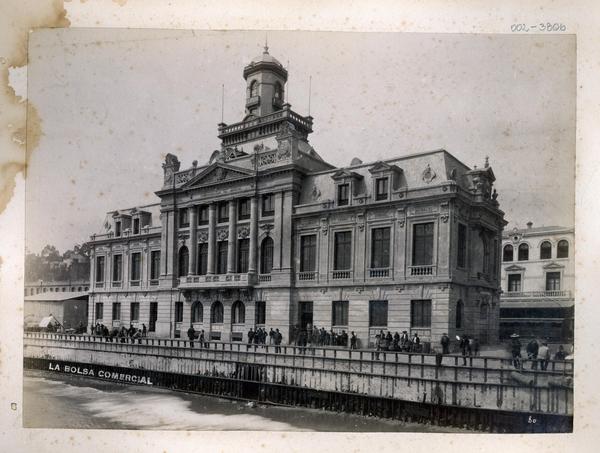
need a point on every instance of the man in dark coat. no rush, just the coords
(532, 353)
(445, 341)
(277, 337)
(353, 340)
(464, 348)
(515, 347)
(250, 335)
(191, 335)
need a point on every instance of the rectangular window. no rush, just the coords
(223, 212)
(244, 209)
(260, 312)
(381, 189)
(136, 226)
(100, 269)
(514, 282)
(116, 311)
(420, 313)
(378, 313)
(552, 281)
(203, 259)
(243, 255)
(178, 311)
(461, 259)
(153, 316)
(308, 253)
(136, 259)
(222, 257)
(184, 220)
(268, 209)
(134, 312)
(154, 264)
(380, 248)
(117, 228)
(343, 194)
(117, 268)
(203, 215)
(99, 311)
(342, 254)
(339, 313)
(422, 244)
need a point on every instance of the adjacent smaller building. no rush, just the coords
(69, 308)
(538, 282)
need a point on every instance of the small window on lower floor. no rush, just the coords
(420, 313)
(339, 315)
(378, 313)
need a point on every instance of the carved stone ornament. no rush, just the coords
(267, 227)
(222, 235)
(283, 150)
(428, 174)
(243, 232)
(444, 218)
(220, 174)
(203, 236)
(315, 193)
(323, 290)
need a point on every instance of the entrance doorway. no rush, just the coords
(153, 316)
(305, 314)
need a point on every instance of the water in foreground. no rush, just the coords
(62, 401)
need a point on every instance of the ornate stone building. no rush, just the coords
(538, 282)
(267, 233)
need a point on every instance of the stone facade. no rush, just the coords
(267, 233)
(538, 282)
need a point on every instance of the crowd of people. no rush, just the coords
(536, 353)
(315, 336)
(122, 334)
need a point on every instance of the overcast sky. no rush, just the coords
(113, 102)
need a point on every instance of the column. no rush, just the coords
(193, 240)
(231, 240)
(253, 234)
(212, 225)
(276, 234)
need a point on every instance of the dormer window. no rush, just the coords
(382, 188)
(136, 226)
(343, 195)
(118, 228)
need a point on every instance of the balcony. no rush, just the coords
(382, 272)
(264, 278)
(537, 294)
(307, 276)
(252, 101)
(98, 285)
(116, 284)
(218, 281)
(422, 270)
(341, 275)
(134, 283)
(154, 282)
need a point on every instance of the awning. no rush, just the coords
(47, 320)
(56, 296)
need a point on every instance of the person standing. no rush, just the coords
(515, 347)
(191, 335)
(544, 355)
(464, 348)
(532, 352)
(445, 342)
(353, 340)
(277, 337)
(144, 330)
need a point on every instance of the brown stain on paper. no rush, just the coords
(20, 122)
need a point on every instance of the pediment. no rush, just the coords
(345, 174)
(380, 167)
(553, 266)
(514, 268)
(219, 173)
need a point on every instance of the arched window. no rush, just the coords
(216, 313)
(459, 314)
(278, 91)
(253, 88)
(483, 311)
(545, 250)
(197, 312)
(523, 252)
(562, 251)
(184, 257)
(79, 289)
(507, 254)
(266, 256)
(238, 313)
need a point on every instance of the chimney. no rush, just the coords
(529, 224)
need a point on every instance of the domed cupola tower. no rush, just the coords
(265, 84)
